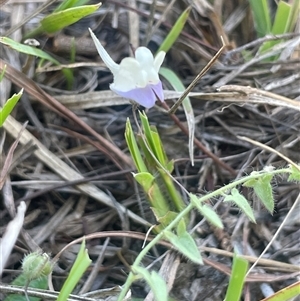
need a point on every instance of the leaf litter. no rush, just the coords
(78, 178)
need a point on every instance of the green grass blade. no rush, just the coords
(279, 26)
(294, 14)
(148, 134)
(80, 265)
(69, 4)
(237, 279)
(176, 83)
(9, 106)
(175, 31)
(281, 18)
(61, 19)
(38, 53)
(134, 149)
(261, 16)
(28, 50)
(2, 73)
(286, 294)
(157, 201)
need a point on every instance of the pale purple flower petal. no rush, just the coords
(146, 96)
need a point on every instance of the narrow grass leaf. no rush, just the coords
(133, 148)
(239, 200)
(263, 189)
(185, 244)
(38, 53)
(261, 16)
(28, 50)
(280, 26)
(9, 106)
(294, 15)
(157, 201)
(2, 73)
(61, 19)
(159, 150)
(237, 279)
(208, 213)
(148, 132)
(69, 4)
(155, 281)
(177, 84)
(286, 294)
(80, 265)
(175, 31)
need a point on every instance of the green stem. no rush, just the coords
(184, 212)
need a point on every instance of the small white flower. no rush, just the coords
(135, 78)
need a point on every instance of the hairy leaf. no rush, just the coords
(241, 202)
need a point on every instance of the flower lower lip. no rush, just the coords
(146, 96)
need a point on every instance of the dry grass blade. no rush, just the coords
(62, 169)
(33, 89)
(253, 95)
(11, 234)
(73, 170)
(196, 79)
(9, 158)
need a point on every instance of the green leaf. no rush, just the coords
(261, 16)
(80, 265)
(286, 294)
(295, 174)
(21, 280)
(241, 202)
(281, 18)
(185, 244)
(165, 220)
(70, 3)
(177, 84)
(181, 228)
(9, 106)
(2, 73)
(61, 19)
(133, 148)
(148, 132)
(175, 31)
(208, 213)
(38, 53)
(279, 26)
(237, 279)
(145, 179)
(155, 281)
(263, 189)
(28, 50)
(293, 16)
(159, 150)
(157, 201)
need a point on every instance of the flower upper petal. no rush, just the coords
(144, 56)
(108, 61)
(159, 58)
(130, 75)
